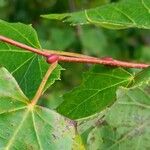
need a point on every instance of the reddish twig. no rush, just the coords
(52, 56)
(23, 46)
(104, 62)
(42, 52)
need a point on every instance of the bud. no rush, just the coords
(52, 58)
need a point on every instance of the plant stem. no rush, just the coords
(103, 61)
(73, 57)
(23, 46)
(43, 83)
(42, 52)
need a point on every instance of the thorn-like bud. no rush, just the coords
(52, 58)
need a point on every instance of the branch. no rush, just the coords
(52, 56)
(110, 62)
(43, 83)
(42, 52)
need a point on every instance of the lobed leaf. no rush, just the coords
(121, 15)
(127, 122)
(23, 126)
(27, 68)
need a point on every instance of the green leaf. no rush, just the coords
(142, 77)
(128, 121)
(101, 137)
(23, 126)
(94, 139)
(124, 14)
(85, 125)
(27, 68)
(95, 93)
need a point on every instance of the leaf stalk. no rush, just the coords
(43, 83)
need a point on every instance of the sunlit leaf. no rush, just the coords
(25, 126)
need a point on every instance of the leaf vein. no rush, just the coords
(13, 110)
(124, 14)
(22, 64)
(94, 95)
(20, 34)
(37, 137)
(17, 51)
(145, 6)
(44, 119)
(137, 103)
(27, 69)
(10, 142)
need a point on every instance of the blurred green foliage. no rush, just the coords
(129, 44)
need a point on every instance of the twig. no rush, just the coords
(43, 83)
(42, 52)
(104, 61)
(73, 57)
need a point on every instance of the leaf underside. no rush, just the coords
(121, 15)
(128, 121)
(125, 124)
(23, 126)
